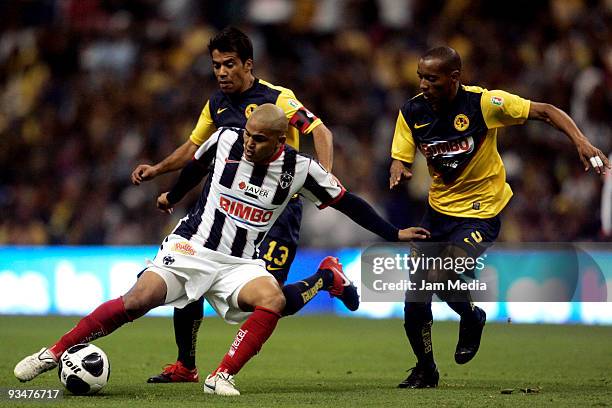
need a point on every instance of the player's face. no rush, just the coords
(259, 143)
(437, 84)
(232, 74)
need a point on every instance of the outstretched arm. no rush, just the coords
(363, 214)
(176, 160)
(190, 176)
(589, 154)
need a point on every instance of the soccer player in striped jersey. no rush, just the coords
(239, 93)
(212, 252)
(455, 127)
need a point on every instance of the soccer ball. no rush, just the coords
(83, 369)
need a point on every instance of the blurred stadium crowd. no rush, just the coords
(90, 88)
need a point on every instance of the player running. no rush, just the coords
(212, 252)
(239, 93)
(455, 127)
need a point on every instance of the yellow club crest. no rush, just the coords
(249, 109)
(461, 122)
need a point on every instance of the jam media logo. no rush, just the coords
(168, 260)
(252, 190)
(244, 212)
(184, 248)
(448, 148)
(286, 179)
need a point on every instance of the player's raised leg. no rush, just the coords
(329, 277)
(264, 297)
(148, 293)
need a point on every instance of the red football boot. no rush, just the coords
(176, 372)
(342, 287)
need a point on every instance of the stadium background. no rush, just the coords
(91, 88)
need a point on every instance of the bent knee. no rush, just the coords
(135, 304)
(274, 301)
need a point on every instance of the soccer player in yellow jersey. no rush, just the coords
(455, 128)
(239, 93)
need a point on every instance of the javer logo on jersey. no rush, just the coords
(253, 191)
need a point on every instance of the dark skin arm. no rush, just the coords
(589, 154)
(176, 160)
(323, 143)
(399, 172)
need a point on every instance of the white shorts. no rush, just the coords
(191, 273)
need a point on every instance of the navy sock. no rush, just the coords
(465, 309)
(298, 294)
(186, 325)
(418, 320)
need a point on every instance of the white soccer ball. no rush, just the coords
(84, 369)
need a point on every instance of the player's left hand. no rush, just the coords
(592, 157)
(408, 234)
(163, 204)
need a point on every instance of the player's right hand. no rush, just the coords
(398, 172)
(163, 204)
(408, 234)
(143, 172)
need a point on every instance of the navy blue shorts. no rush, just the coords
(474, 235)
(458, 236)
(279, 247)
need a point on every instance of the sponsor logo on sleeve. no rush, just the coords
(497, 100)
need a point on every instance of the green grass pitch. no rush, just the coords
(334, 362)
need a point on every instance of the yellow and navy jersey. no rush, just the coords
(460, 145)
(224, 110)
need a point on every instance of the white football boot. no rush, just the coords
(34, 365)
(220, 384)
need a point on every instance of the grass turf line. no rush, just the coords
(332, 361)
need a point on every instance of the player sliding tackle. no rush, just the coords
(211, 251)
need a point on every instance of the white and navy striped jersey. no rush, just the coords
(241, 200)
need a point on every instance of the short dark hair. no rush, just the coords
(449, 56)
(231, 39)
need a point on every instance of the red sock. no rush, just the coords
(104, 320)
(251, 336)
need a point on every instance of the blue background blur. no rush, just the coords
(75, 280)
